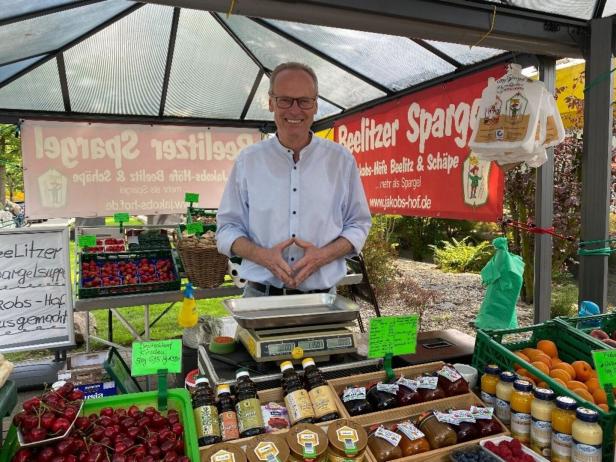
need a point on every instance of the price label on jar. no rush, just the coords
(480, 413)
(410, 431)
(408, 383)
(387, 388)
(428, 382)
(389, 436)
(450, 374)
(351, 394)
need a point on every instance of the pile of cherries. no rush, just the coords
(112, 435)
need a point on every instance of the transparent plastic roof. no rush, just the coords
(100, 83)
(37, 90)
(22, 7)
(396, 62)
(610, 8)
(9, 70)
(31, 37)
(465, 54)
(581, 9)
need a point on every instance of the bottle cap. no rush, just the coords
(308, 362)
(507, 376)
(241, 373)
(566, 403)
(202, 379)
(544, 394)
(188, 291)
(286, 365)
(522, 385)
(586, 415)
(223, 388)
(492, 369)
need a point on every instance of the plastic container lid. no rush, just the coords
(342, 430)
(202, 379)
(263, 448)
(507, 376)
(586, 415)
(241, 373)
(522, 385)
(544, 394)
(566, 403)
(492, 369)
(302, 436)
(224, 452)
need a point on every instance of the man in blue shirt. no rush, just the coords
(294, 205)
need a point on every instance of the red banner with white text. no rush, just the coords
(414, 158)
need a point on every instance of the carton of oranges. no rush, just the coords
(578, 376)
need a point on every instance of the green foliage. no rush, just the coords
(11, 171)
(380, 254)
(564, 296)
(461, 256)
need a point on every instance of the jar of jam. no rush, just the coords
(384, 444)
(347, 441)
(439, 434)
(355, 401)
(407, 392)
(382, 396)
(413, 441)
(466, 431)
(429, 389)
(488, 427)
(451, 381)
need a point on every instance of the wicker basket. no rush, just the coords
(205, 267)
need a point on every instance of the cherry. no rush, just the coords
(46, 454)
(178, 429)
(31, 404)
(155, 452)
(60, 426)
(111, 432)
(82, 423)
(105, 421)
(76, 395)
(70, 413)
(23, 455)
(106, 411)
(133, 411)
(167, 446)
(132, 432)
(65, 446)
(120, 448)
(47, 420)
(29, 421)
(38, 434)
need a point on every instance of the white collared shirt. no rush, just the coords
(269, 199)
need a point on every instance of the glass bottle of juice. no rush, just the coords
(248, 407)
(296, 398)
(563, 417)
(504, 388)
(321, 396)
(489, 381)
(206, 413)
(226, 414)
(521, 400)
(587, 436)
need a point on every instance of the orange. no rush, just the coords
(599, 396)
(545, 359)
(556, 361)
(592, 384)
(523, 357)
(543, 385)
(560, 382)
(548, 347)
(582, 370)
(530, 351)
(561, 374)
(584, 394)
(574, 384)
(532, 354)
(542, 367)
(566, 367)
(603, 407)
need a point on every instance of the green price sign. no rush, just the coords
(149, 357)
(191, 197)
(392, 334)
(120, 217)
(605, 364)
(194, 228)
(87, 240)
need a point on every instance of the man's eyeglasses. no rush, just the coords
(285, 102)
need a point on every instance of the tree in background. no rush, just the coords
(11, 171)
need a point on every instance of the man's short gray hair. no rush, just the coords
(296, 67)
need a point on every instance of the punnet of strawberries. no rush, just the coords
(510, 451)
(111, 435)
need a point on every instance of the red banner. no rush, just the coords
(414, 158)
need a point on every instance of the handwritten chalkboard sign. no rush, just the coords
(36, 304)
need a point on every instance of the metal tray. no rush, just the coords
(291, 310)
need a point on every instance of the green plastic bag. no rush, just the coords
(503, 277)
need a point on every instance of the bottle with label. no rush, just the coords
(321, 396)
(227, 416)
(521, 400)
(504, 388)
(587, 436)
(489, 381)
(248, 407)
(296, 397)
(563, 417)
(206, 413)
(541, 421)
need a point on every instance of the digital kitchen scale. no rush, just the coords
(319, 342)
(271, 327)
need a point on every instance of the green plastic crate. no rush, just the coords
(607, 322)
(497, 346)
(178, 399)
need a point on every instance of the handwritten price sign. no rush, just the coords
(149, 357)
(605, 364)
(392, 334)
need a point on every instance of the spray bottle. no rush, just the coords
(188, 313)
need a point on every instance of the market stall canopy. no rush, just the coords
(160, 62)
